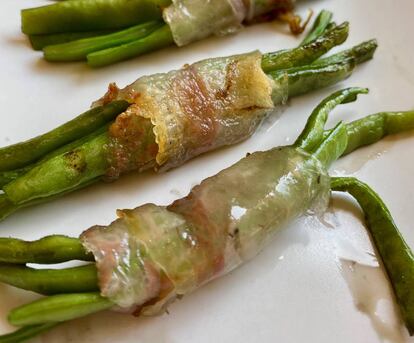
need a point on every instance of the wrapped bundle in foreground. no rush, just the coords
(160, 121)
(87, 29)
(153, 254)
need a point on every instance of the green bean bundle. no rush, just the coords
(161, 121)
(152, 255)
(107, 31)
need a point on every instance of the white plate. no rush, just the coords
(295, 291)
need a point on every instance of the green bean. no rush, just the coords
(333, 146)
(79, 49)
(156, 40)
(90, 15)
(61, 173)
(312, 135)
(361, 53)
(321, 24)
(48, 250)
(21, 154)
(50, 281)
(8, 176)
(314, 76)
(59, 308)
(7, 207)
(307, 53)
(64, 173)
(38, 42)
(372, 128)
(396, 255)
(26, 333)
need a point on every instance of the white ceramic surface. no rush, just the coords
(296, 290)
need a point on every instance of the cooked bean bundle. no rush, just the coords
(153, 254)
(108, 31)
(160, 121)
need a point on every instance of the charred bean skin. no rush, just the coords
(307, 53)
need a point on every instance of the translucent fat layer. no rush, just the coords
(192, 20)
(153, 254)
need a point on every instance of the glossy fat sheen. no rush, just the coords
(192, 20)
(200, 107)
(153, 254)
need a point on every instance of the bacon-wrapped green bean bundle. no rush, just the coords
(85, 29)
(154, 254)
(159, 253)
(161, 121)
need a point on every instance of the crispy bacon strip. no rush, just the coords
(181, 114)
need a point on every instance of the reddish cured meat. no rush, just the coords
(178, 115)
(154, 254)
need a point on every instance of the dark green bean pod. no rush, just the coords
(90, 15)
(8, 176)
(371, 129)
(313, 132)
(58, 308)
(307, 53)
(48, 250)
(321, 24)
(333, 146)
(396, 255)
(327, 71)
(51, 281)
(7, 207)
(304, 79)
(21, 154)
(60, 173)
(361, 53)
(38, 42)
(158, 39)
(79, 49)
